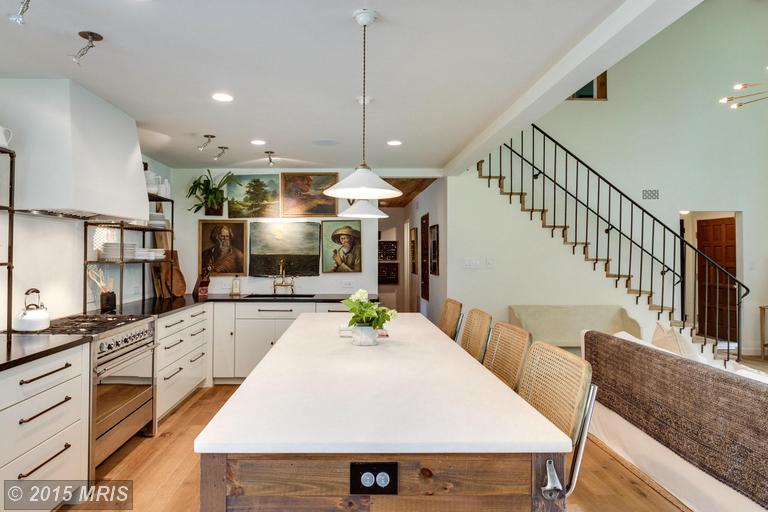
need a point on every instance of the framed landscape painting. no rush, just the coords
(294, 245)
(221, 247)
(257, 195)
(342, 248)
(302, 194)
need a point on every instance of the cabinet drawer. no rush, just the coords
(29, 423)
(174, 346)
(171, 324)
(273, 309)
(29, 379)
(180, 378)
(332, 307)
(62, 457)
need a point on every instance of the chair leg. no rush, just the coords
(581, 442)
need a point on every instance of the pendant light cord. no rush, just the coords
(365, 99)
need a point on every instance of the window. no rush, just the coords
(597, 89)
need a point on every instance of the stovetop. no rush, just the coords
(90, 324)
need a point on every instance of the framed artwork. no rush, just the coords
(424, 277)
(414, 248)
(292, 245)
(342, 247)
(221, 247)
(257, 195)
(302, 194)
(434, 250)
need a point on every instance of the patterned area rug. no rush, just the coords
(713, 419)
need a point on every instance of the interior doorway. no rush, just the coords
(713, 295)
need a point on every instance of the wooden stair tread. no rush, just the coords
(598, 259)
(542, 210)
(568, 242)
(618, 276)
(656, 307)
(632, 291)
(523, 194)
(680, 323)
(554, 226)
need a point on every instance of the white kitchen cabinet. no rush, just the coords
(182, 355)
(281, 326)
(332, 307)
(253, 339)
(224, 339)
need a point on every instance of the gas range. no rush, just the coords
(111, 333)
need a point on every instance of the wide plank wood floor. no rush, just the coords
(165, 469)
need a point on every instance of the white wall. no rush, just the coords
(434, 201)
(186, 243)
(661, 127)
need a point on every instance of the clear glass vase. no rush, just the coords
(364, 335)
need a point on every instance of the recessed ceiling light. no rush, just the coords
(394, 143)
(258, 142)
(222, 96)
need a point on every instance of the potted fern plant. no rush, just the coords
(209, 193)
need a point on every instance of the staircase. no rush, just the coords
(617, 236)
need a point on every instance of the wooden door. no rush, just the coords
(716, 293)
(425, 256)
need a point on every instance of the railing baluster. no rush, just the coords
(642, 253)
(597, 228)
(674, 273)
(511, 172)
(619, 240)
(653, 253)
(576, 215)
(663, 267)
(706, 303)
(631, 237)
(522, 166)
(728, 322)
(565, 199)
(490, 170)
(586, 217)
(554, 194)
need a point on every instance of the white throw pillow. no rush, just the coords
(666, 339)
(629, 337)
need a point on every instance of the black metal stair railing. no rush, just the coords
(650, 258)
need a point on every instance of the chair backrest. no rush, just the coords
(449, 317)
(476, 333)
(506, 350)
(556, 383)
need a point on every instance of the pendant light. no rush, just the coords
(363, 183)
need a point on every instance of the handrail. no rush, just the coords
(643, 210)
(539, 172)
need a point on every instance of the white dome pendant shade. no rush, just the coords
(363, 184)
(363, 209)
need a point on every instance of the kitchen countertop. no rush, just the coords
(416, 392)
(164, 307)
(24, 348)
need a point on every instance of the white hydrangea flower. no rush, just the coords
(360, 295)
(393, 315)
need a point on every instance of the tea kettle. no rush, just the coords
(34, 316)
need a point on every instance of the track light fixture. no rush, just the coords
(18, 17)
(269, 158)
(91, 37)
(222, 150)
(204, 145)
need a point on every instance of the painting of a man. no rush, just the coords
(342, 251)
(222, 247)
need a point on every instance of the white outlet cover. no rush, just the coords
(346, 284)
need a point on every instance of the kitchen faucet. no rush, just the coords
(282, 283)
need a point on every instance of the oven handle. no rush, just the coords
(136, 355)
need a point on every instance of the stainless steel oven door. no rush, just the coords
(122, 386)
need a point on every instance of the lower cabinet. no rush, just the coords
(182, 357)
(243, 333)
(253, 339)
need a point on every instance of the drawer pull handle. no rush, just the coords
(198, 314)
(275, 310)
(338, 311)
(174, 323)
(198, 357)
(22, 421)
(169, 347)
(21, 476)
(29, 381)
(198, 332)
(173, 374)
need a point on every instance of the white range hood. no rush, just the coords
(76, 152)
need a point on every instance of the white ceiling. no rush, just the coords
(438, 72)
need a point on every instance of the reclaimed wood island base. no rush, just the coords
(427, 483)
(462, 440)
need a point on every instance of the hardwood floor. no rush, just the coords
(166, 471)
(756, 362)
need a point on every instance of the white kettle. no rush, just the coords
(34, 316)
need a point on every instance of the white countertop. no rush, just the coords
(416, 392)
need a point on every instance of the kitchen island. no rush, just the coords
(292, 437)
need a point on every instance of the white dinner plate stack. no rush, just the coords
(157, 220)
(150, 254)
(111, 251)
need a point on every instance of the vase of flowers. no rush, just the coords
(367, 318)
